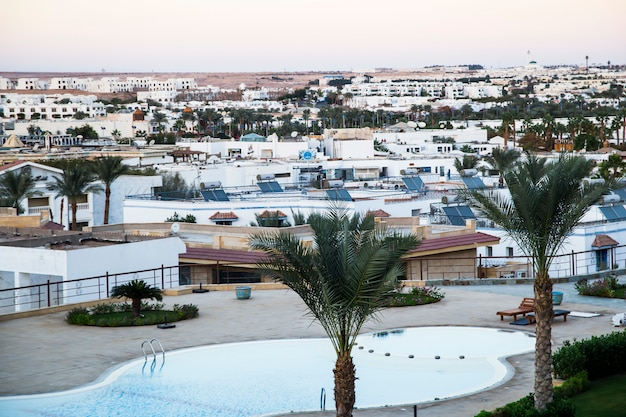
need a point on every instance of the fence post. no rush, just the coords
(162, 277)
(48, 288)
(107, 283)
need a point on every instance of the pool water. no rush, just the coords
(396, 367)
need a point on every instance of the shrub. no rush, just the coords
(604, 287)
(186, 311)
(120, 314)
(78, 315)
(600, 356)
(525, 407)
(417, 296)
(572, 386)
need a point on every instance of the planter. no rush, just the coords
(557, 298)
(243, 293)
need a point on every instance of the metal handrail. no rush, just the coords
(145, 355)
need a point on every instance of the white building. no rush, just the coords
(58, 259)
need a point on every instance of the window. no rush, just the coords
(489, 251)
(509, 252)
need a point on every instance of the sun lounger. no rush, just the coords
(526, 306)
(557, 313)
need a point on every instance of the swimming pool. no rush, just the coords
(395, 367)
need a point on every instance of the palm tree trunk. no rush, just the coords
(74, 210)
(136, 307)
(344, 384)
(543, 345)
(107, 203)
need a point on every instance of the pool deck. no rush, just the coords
(44, 354)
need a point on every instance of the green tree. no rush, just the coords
(467, 162)
(15, 186)
(160, 119)
(344, 279)
(502, 160)
(547, 201)
(107, 170)
(76, 181)
(86, 131)
(136, 290)
(613, 168)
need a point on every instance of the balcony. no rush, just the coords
(37, 210)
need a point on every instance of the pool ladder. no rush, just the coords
(150, 343)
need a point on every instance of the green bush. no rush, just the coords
(600, 356)
(417, 296)
(604, 287)
(525, 407)
(120, 314)
(78, 315)
(572, 386)
(186, 311)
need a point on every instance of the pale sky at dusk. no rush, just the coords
(300, 35)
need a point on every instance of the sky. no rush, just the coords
(305, 35)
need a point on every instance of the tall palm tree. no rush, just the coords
(107, 170)
(76, 181)
(15, 186)
(343, 278)
(136, 290)
(160, 119)
(613, 168)
(546, 203)
(502, 160)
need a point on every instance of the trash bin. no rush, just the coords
(557, 298)
(243, 293)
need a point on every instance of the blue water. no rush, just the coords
(269, 377)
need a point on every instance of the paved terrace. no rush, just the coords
(44, 354)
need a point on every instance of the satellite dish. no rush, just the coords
(175, 228)
(421, 125)
(151, 142)
(294, 134)
(412, 124)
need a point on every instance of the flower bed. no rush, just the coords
(608, 287)
(417, 296)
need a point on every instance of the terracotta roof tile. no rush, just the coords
(378, 213)
(11, 165)
(273, 213)
(602, 241)
(224, 216)
(449, 243)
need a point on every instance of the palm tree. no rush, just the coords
(546, 203)
(613, 168)
(76, 181)
(136, 290)
(107, 170)
(343, 278)
(15, 186)
(502, 160)
(508, 119)
(468, 162)
(160, 119)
